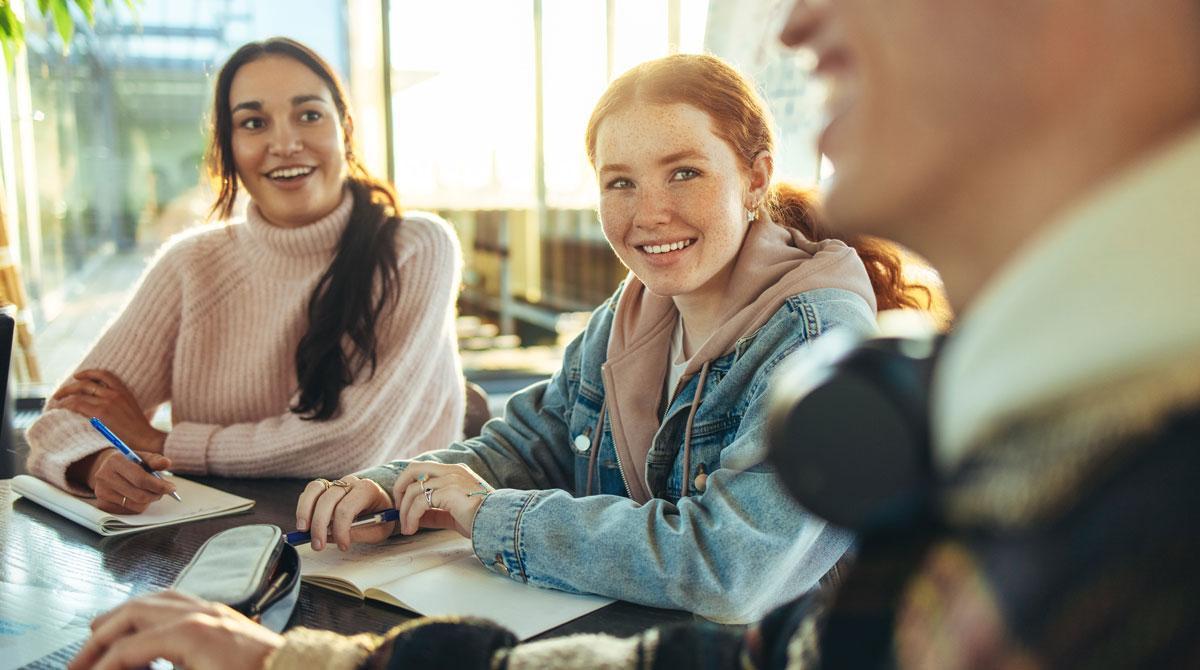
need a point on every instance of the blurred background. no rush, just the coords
(476, 109)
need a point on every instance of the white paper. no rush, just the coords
(436, 573)
(466, 588)
(199, 502)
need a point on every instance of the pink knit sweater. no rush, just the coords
(213, 328)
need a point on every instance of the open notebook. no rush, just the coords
(436, 573)
(199, 502)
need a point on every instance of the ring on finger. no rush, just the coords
(429, 497)
(340, 483)
(325, 484)
(123, 499)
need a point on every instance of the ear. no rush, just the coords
(759, 179)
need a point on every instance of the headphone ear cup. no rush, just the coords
(849, 435)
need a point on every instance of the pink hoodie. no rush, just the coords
(774, 264)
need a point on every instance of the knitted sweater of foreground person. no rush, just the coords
(213, 328)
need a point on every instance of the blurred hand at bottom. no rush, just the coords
(187, 631)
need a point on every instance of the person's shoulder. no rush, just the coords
(811, 313)
(197, 244)
(424, 238)
(426, 227)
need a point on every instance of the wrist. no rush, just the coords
(82, 472)
(156, 441)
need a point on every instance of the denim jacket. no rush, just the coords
(730, 552)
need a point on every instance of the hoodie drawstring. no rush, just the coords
(685, 487)
(595, 446)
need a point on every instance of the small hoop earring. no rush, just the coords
(751, 215)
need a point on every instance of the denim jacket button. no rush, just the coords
(583, 443)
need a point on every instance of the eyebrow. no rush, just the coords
(257, 105)
(665, 160)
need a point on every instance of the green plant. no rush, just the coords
(12, 31)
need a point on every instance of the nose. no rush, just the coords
(285, 140)
(652, 208)
(803, 21)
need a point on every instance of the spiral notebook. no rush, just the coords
(199, 502)
(436, 573)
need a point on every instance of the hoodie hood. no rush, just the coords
(773, 264)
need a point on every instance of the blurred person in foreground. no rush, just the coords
(1044, 156)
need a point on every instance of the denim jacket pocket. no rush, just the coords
(709, 439)
(586, 439)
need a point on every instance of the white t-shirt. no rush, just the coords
(677, 364)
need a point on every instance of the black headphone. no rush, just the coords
(848, 429)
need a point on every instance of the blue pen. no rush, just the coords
(126, 451)
(300, 536)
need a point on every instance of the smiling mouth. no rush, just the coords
(289, 173)
(665, 248)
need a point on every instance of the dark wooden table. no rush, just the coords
(41, 549)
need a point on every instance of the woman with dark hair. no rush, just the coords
(633, 472)
(314, 337)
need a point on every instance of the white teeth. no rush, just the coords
(288, 173)
(664, 248)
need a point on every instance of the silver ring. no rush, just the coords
(429, 497)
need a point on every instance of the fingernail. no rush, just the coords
(317, 544)
(344, 547)
(302, 525)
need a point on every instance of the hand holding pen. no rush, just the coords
(300, 536)
(127, 484)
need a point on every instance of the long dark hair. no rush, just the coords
(347, 301)
(741, 118)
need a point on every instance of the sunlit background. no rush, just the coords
(476, 109)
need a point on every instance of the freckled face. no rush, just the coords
(287, 141)
(673, 198)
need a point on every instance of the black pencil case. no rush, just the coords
(251, 569)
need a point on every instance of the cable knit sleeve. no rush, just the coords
(413, 402)
(137, 346)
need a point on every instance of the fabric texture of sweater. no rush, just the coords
(213, 328)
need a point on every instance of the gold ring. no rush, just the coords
(422, 477)
(324, 483)
(340, 483)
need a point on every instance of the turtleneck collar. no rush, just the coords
(318, 238)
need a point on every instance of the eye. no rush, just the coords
(684, 174)
(619, 183)
(251, 123)
(311, 116)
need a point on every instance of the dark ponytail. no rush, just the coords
(360, 282)
(346, 304)
(797, 208)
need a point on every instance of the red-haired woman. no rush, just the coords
(632, 472)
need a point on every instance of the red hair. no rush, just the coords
(740, 117)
